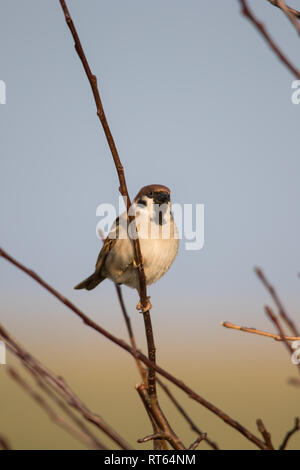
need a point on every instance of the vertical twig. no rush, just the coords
(110, 140)
(157, 443)
(154, 410)
(167, 391)
(142, 391)
(140, 367)
(123, 190)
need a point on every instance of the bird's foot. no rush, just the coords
(147, 307)
(135, 265)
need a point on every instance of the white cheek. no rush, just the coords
(155, 209)
(151, 210)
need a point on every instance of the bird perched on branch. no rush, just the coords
(158, 238)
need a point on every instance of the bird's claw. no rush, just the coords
(134, 263)
(143, 309)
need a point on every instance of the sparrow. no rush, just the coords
(158, 237)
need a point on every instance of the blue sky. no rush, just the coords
(196, 101)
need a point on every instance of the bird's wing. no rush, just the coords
(108, 244)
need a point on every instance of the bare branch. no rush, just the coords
(294, 12)
(110, 140)
(61, 387)
(151, 437)
(261, 28)
(227, 324)
(63, 405)
(156, 429)
(212, 444)
(276, 322)
(290, 434)
(291, 17)
(141, 369)
(142, 391)
(155, 412)
(195, 444)
(192, 424)
(4, 445)
(282, 312)
(84, 437)
(144, 300)
(266, 435)
(137, 354)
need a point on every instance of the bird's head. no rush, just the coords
(154, 200)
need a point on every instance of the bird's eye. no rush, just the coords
(141, 202)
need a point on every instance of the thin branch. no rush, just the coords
(64, 407)
(199, 439)
(157, 444)
(140, 367)
(61, 387)
(150, 410)
(266, 435)
(261, 28)
(167, 391)
(282, 312)
(135, 353)
(4, 445)
(143, 373)
(227, 324)
(152, 356)
(276, 322)
(55, 417)
(110, 140)
(154, 411)
(142, 391)
(294, 12)
(291, 17)
(144, 300)
(192, 424)
(290, 434)
(151, 437)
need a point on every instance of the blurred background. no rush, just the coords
(196, 101)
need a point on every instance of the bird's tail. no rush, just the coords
(90, 282)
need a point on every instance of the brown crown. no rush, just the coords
(152, 188)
